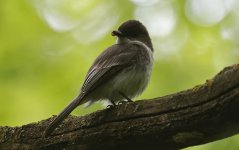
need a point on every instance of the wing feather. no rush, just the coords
(108, 64)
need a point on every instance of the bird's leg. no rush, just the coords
(113, 104)
(126, 97)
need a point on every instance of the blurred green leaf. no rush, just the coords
(47, 46)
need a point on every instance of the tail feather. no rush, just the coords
(68, 109)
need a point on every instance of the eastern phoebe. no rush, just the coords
(121, 72)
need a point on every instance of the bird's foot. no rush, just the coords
(110, 106)
(122, 102)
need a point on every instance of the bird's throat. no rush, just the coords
(121, 40)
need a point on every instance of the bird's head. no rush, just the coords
(133, 30)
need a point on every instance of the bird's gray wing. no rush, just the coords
(108, 64)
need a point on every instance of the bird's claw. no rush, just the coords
(110, 106)
(122, 102)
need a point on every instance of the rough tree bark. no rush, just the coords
(203, 114)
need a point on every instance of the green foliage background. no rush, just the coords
(47, 46)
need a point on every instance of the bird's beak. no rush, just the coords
(116, 33)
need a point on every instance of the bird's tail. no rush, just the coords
(68, 109)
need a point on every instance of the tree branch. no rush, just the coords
(196, 116)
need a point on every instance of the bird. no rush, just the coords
(121, 72)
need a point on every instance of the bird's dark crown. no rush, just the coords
(134, 30)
